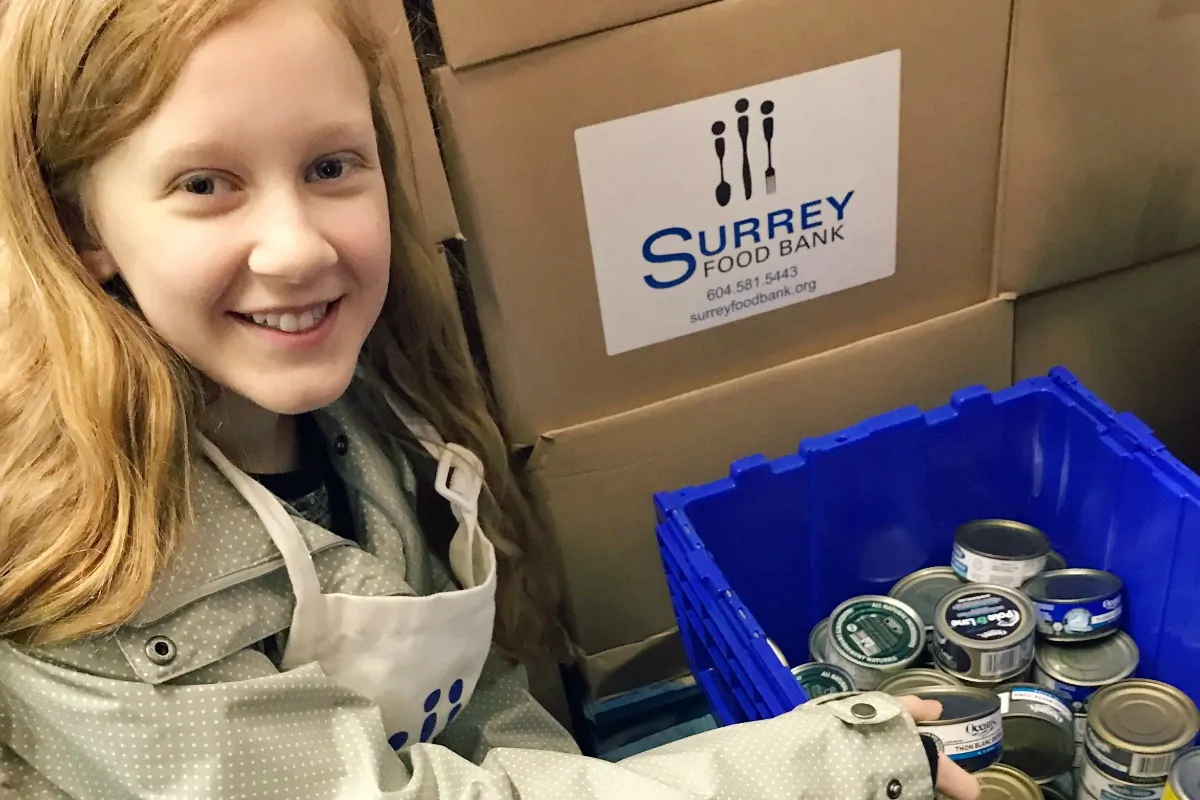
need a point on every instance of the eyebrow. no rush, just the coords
(200, 150)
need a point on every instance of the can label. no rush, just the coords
(977, 740)
(1040, 703)
(978, 568)
(876, 635)
(1067, 620)
(1128, 767)
(1101, 786)
(984, 617)
(1081, 728)
(1079, 694)
(818, 681)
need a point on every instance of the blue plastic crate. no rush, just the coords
(774, 547)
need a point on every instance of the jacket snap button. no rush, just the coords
(161, 650)
(894, 789)
(341, 445)
(863, 711)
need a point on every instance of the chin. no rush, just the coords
(292, 400)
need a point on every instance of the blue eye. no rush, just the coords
(329, 169)
(201, 185)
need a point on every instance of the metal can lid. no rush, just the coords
(1185, 775)
(924, 589)
(819, 679)
(1095, 663)
(1002, 782)
(1144, 716)
(1003, 539)
(960, 703)
(818, 640)
(1072, 586)
(1055, 561)
(985, 617)
(911, 680)
(1039, 730)
(877, 632)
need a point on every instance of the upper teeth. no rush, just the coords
(293, 323)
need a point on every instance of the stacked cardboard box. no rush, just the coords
(699, 230)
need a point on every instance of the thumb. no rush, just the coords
(954, 782)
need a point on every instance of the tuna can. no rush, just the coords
(1016, 677)
(999, 552)
(1079, 670)
(818, 680)
(1097, 785)
(999, 782)
(1055, 561)
(924, 589)
(818, 641)
(778, 653)
(1076, 605)
(1039, 731)
(873, 637)
(970, 730)
(984, 633)
(912, 680)
(1136, 729)
(1184, 780)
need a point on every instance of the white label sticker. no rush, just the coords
(723, 208)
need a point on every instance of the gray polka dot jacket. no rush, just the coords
(182, 702)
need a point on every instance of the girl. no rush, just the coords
(239, 557)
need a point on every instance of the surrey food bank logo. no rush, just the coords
(724, 188)
(745, 153)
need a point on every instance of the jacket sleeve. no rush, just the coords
(300, 735)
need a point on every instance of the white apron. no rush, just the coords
(417, 658)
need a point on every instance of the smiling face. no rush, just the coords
(249, 215)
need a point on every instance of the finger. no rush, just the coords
(955, 782)
(921, 710)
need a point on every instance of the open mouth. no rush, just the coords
(291, 322)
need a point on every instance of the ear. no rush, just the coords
(99, 263)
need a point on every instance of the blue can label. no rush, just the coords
(1079, 694)
(1079, 620)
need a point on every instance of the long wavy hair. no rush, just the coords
(98, 414)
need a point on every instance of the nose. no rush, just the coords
(289, 246)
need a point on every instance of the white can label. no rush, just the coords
(978, 568)
(969, 739)
(1098, 785)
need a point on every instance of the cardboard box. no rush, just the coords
(473, 32)
(594, 483)
(422, 173)
(1133, 337)
(549, 323)
(1102, 139)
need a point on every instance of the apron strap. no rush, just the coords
(308, 618)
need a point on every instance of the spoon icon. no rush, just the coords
(724, 190)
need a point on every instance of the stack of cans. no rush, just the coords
(1031, 666)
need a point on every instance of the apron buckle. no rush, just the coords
(459, 477)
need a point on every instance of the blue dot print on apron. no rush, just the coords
(453, 695)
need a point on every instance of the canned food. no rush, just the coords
(912, 680)
(1184, 780)
(873, 637)
(1055, 560)
(818, 680)
(1000, 782)
(1075, 605)
(984, 633)
(1136, 729)
(1094, 784)
(818, 641)
(1080, 738)
(999, 552)
(778, 653)
(1079, 670)
(970, 731)
(1039, 731)
(829, 698)
(924, 589)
